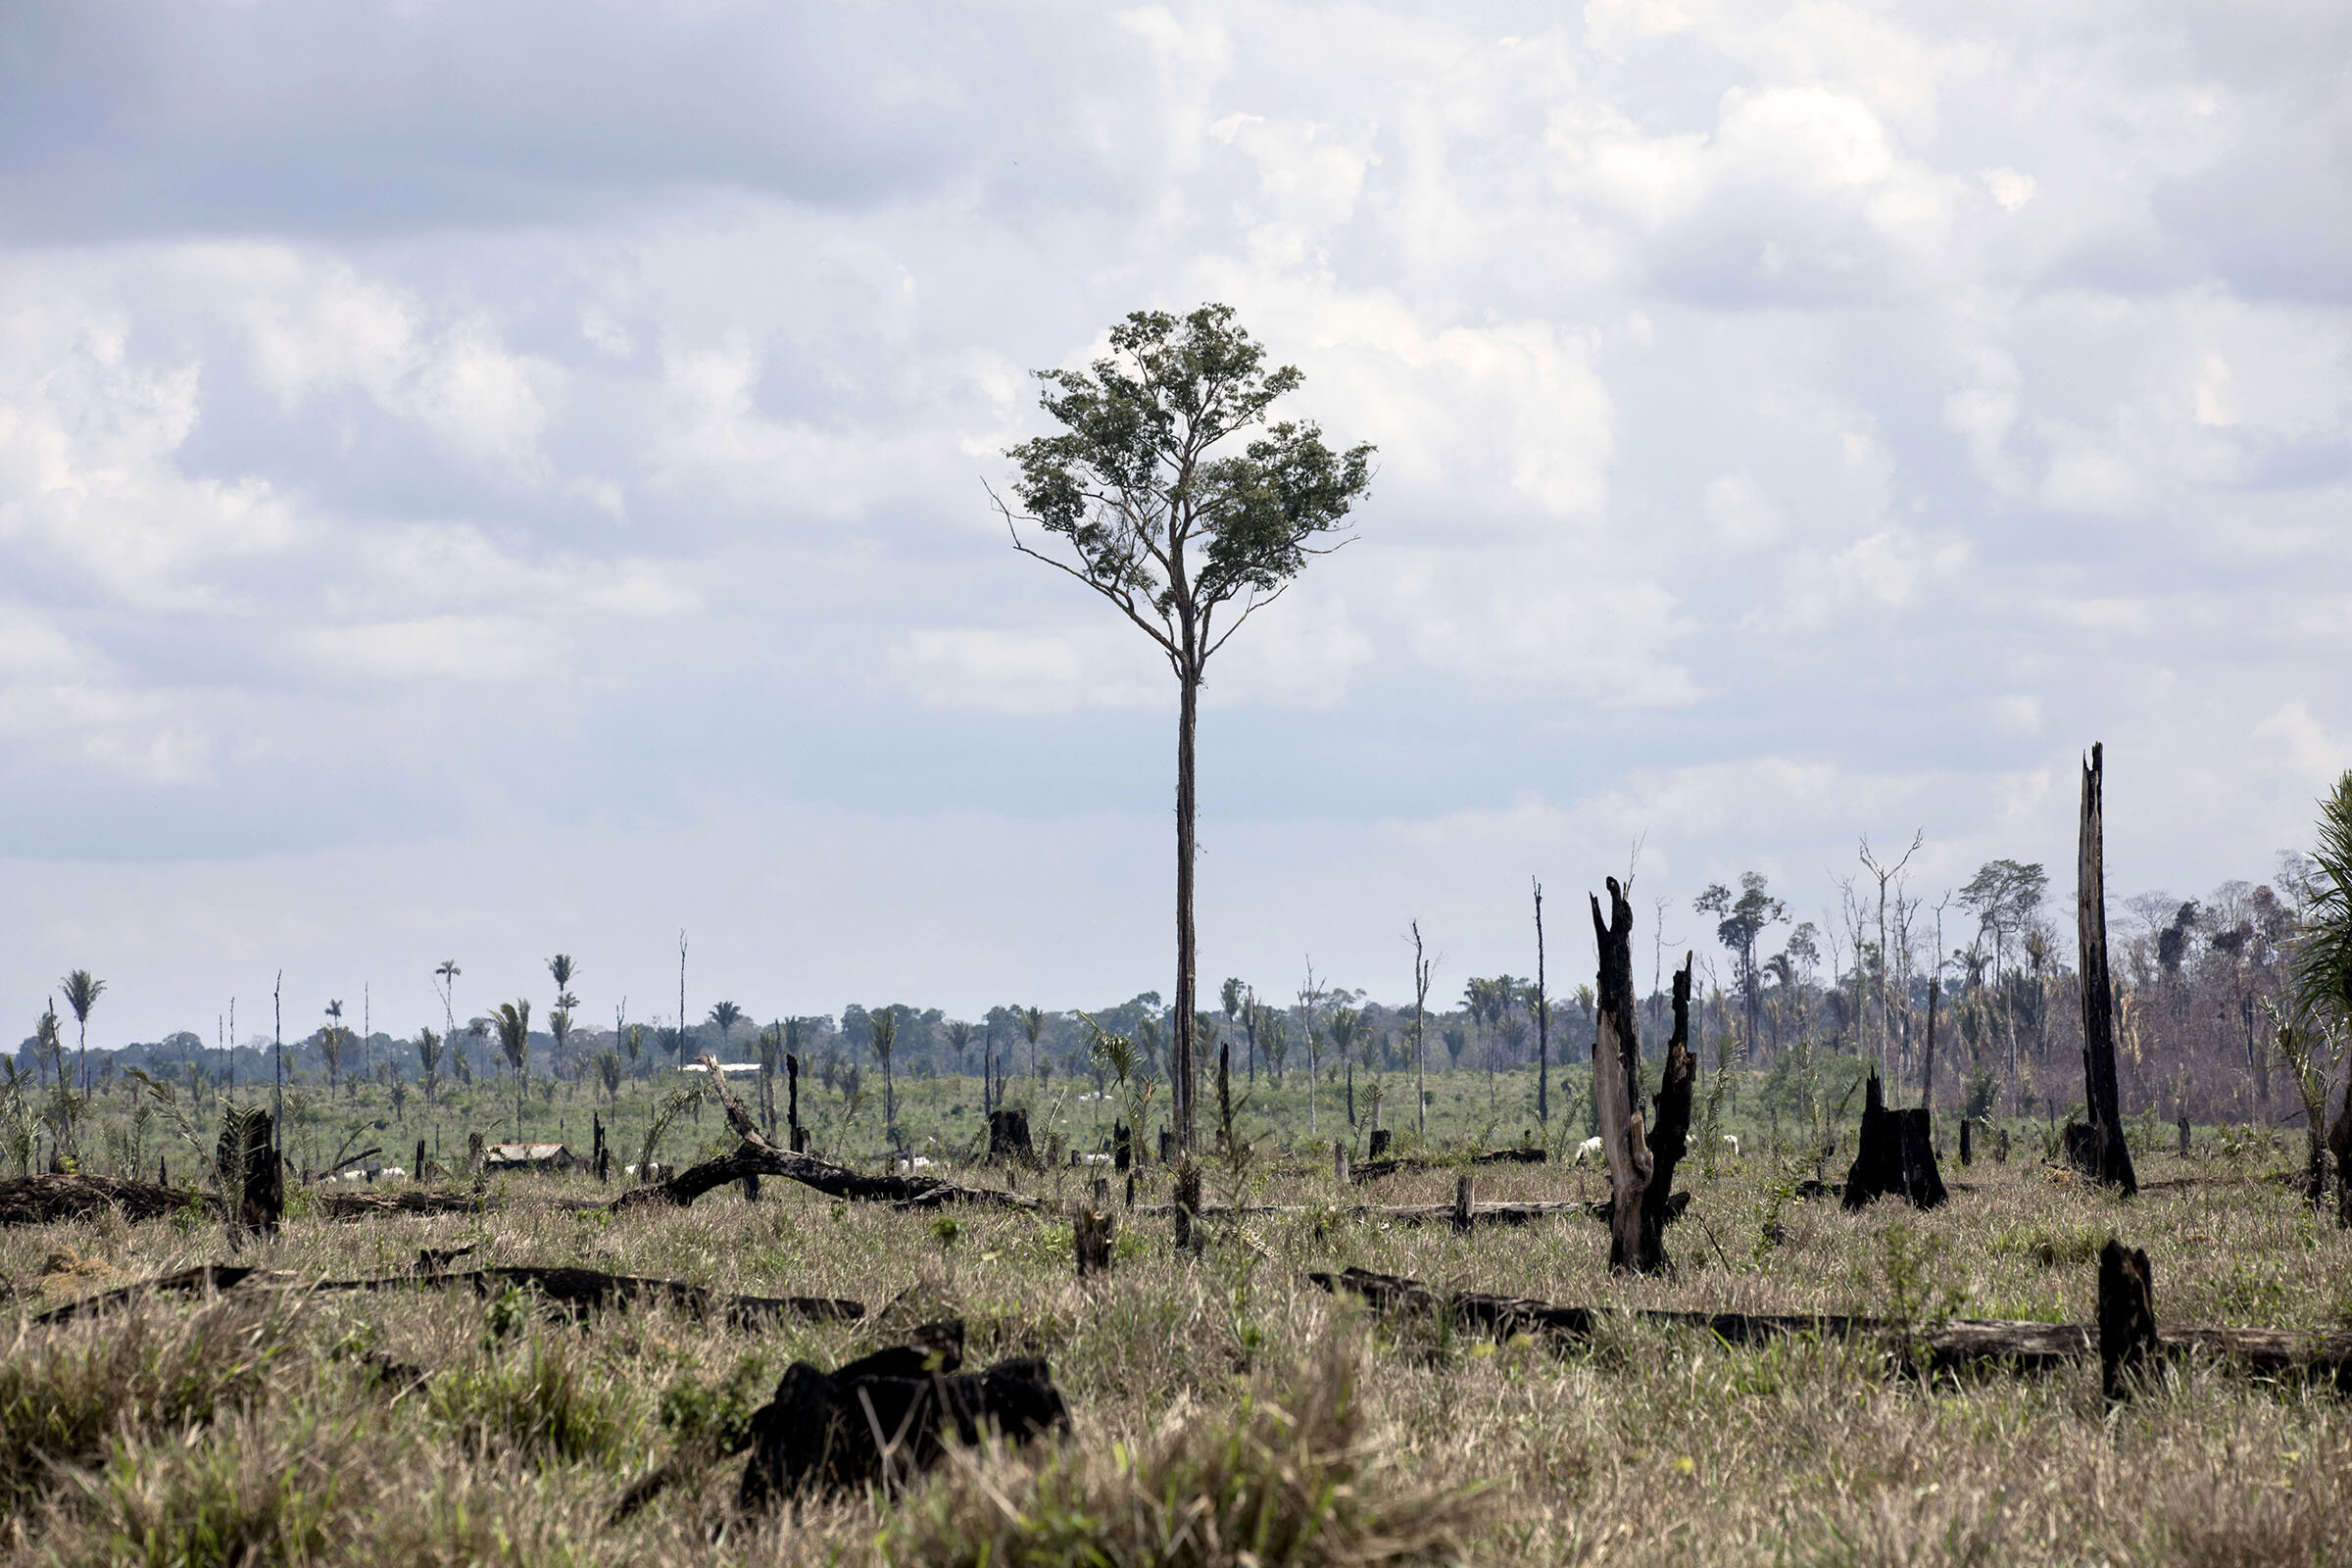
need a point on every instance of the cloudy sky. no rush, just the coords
(485, 479)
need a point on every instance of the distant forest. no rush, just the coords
(1984, 971)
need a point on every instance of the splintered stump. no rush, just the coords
(1965, 1125)
(1642, 1159)
(883, 1419)
(2098, 1150)
(1379, 1144)
(2127, 1317)
(1895, 1155)
(1094, 1232)
(1008, 1138)
(1122, 1147)
(1189, 1235)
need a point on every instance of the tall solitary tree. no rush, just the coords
(724, 1016)
(1186, 540)
(882, 1036)
(83, 992)
(1741, 918)
(514, 1019)
(559, 1017)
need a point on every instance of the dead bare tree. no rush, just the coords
(1641, 1174)
(2097, 1148)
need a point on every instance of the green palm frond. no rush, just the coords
(2323, 949)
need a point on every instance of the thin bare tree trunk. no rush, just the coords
(1188, 710)
(2105, 1156)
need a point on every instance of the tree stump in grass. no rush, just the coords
(1122, 1145)
(1379, 1144)
(1008, 1138)
(2127, 1317)
(1965, 1152)
(1093, 1234)
(1465, 1204)
(884, 1418)
(2182, 1124)
(1895, 1157)
(1188, 1234)
(1339, 1162)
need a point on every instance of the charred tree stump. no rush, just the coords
(2183, 1126)
(1008, 1138)
(1895, 1155)
(1672, 1139)
(1093, 1234)
(1339, 1162)
(1465, 1205)
(247, 1149)
(1636, 1221)
(1167, 1147)
(1378, 1147)
(1965, 1152)
(2103, 1155)
(1122, 1147)
(1189, 1235)
(792, 1104)
(884, 1418)
(2127, 1318)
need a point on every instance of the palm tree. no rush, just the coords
(724, 1016)
(514, 1019)
(81, 995)
(428, 1061)
(331, 1043)
(49, 1044)
(882, 1025)
(445, 977)
(1032, 1024)
(559, 1017)
(2323, 950)
(959, 1039)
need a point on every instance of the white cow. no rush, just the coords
(1731, 1141)
(1590, 1149)
(918, 1162)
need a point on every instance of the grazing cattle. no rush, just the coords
(392, 1173)
(1590, 1149)
(918, 1162)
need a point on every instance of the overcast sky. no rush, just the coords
(485, 479)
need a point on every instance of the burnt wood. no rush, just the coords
(1895, 1155)
(2101, 1153)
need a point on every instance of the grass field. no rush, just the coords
(1210, 1396)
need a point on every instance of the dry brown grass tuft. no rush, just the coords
(1292, 1476)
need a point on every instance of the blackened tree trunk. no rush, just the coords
(1543, 1023)
(1617, 1092)
(1672, 1139)
(2103, 1154)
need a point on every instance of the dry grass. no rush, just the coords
(1224, 1406)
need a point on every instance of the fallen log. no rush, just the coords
(2028, 1347)
(45, 1200)
(578, 1289)
(755, 1156)
(1519, 1213)
(1374, 1169)
(367, 1206)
